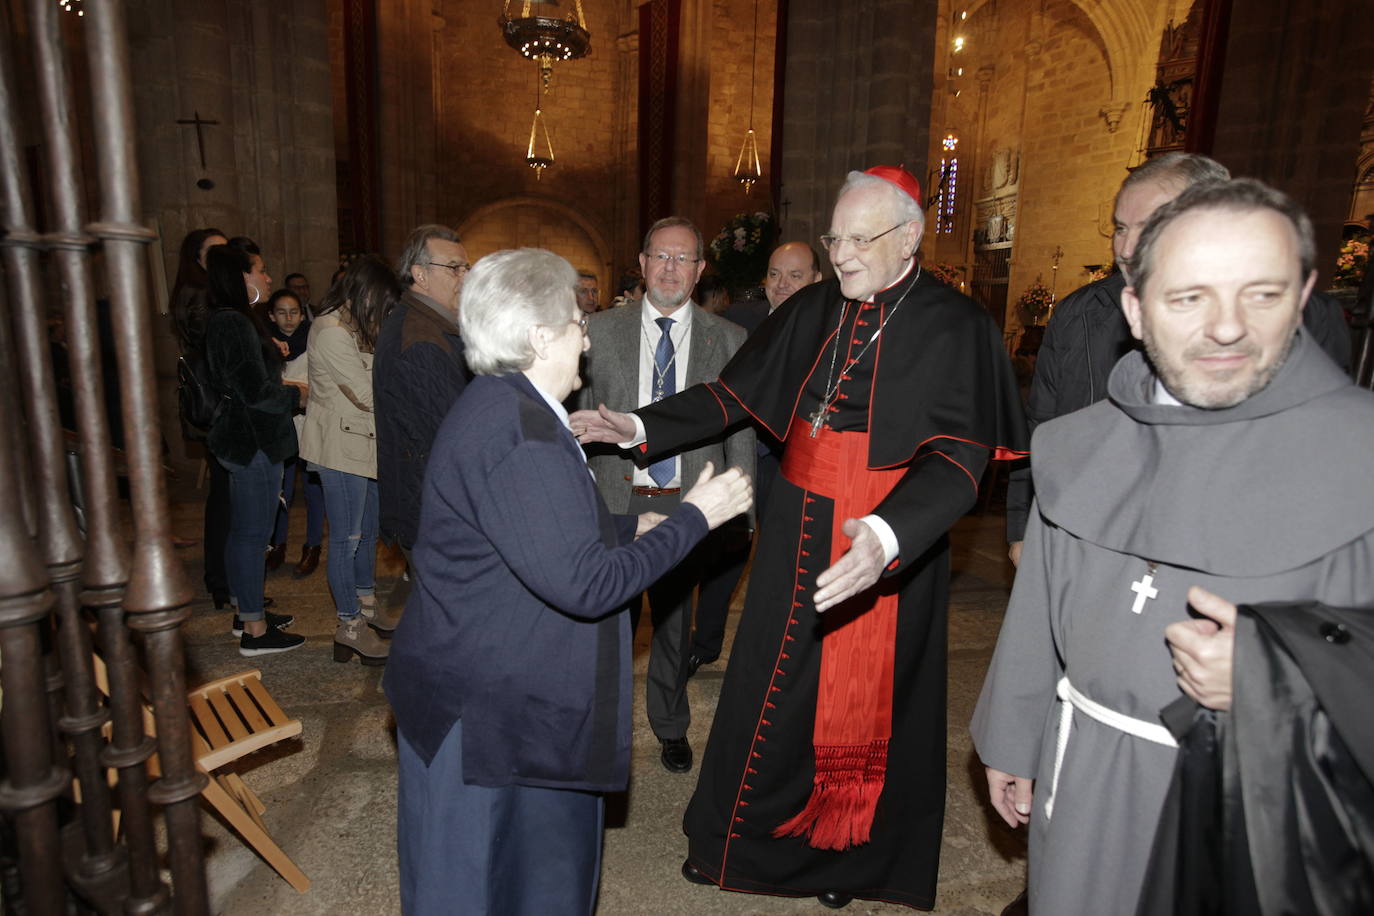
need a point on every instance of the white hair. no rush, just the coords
(505, 295)
(904, 208)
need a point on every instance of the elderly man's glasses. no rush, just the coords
(862, 243)
(458, 269)
(681, 260)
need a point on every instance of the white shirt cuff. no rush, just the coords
(639, 438)
(886, 537)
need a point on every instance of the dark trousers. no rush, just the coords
(670, 609)
(216, 534)
(724, 569)
(513, 850)
(726, 551)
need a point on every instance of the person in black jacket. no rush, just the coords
(418, 371)
(188, 310)
(1087, 332)
(251, 437)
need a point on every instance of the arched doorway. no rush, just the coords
(534, 222)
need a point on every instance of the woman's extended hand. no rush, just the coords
(721, 497)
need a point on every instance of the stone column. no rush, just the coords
(1293, 89)
(693, 111)
(857, 93)
(408, 116)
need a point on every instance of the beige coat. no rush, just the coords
(339, 432)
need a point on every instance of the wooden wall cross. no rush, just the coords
(200, 137)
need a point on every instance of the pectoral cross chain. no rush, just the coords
(1144, 589)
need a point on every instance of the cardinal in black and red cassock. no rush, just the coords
(825, 768)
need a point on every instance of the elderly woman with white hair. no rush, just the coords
(510, 672)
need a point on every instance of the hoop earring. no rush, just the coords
(256, 296)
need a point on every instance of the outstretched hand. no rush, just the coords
(858, 569)
(1202, 649)
(720, 497)
(602, 425)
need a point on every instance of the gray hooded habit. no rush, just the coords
(1137, 502)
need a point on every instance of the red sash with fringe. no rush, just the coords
(854, 699)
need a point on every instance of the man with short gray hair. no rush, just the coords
(417, 374)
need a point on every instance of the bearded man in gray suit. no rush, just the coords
(638, 356)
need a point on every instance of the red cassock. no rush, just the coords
(825, 768)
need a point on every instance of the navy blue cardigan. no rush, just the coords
(516, 622)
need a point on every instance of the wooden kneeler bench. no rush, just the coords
(231, 718)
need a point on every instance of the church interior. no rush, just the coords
(327, 129)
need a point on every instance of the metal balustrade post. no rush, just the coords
(84, 713)
(158, 593)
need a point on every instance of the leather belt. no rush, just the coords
(655, 491)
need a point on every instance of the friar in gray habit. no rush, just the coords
(1225, 468)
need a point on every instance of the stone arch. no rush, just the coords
(1124, 29)
(528, 220)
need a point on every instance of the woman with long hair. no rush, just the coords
(188, 309)
(250, 438)
(188, 306)
(339, 440)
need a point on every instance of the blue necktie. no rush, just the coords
(664, 385)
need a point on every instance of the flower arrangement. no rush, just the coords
(740, 250)
(1352, 262)
(945, 272)
(1035, 303)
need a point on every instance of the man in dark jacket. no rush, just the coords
(417, 374)
(1087, 333)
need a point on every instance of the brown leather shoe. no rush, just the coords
(310, 558)
(276, 554)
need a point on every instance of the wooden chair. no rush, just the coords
(231, 718)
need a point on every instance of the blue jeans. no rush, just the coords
(253, 493)
(314, 504)
(350, 502)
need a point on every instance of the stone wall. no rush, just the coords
(1045, 132)
(261, 69)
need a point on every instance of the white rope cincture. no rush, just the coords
(1070, 699)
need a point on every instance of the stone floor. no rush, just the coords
(330, 794)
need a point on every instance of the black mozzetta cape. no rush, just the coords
(923, 389)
